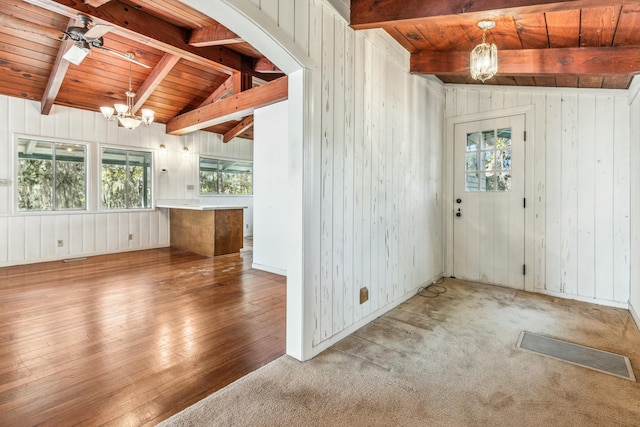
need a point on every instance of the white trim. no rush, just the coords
(528, 111)
(533, 89)
(268, 269)
(634, 89)
(598, 301)
(265, 35)
(83, 255)
(634, 315)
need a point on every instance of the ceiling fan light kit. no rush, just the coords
(125, 114)
(483, 60)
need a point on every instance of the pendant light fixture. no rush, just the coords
(483, 60)
(125, 114)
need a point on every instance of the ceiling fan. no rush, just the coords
(85, 38)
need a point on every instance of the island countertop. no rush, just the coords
(195, 205)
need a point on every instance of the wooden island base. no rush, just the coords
(209, 232)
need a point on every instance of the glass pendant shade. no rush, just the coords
(484, 61)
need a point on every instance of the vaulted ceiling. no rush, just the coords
(203, 76)
(571, 43)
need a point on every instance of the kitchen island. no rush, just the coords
(209, 230)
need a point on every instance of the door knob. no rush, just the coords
(458, 201)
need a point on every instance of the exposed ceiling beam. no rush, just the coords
(213, 35)
(157, 75)
(234, 107)
(56, 77)
(96, 3)
(143, 28)
(379, 13)
(263, 65)
(14, 23)
(600, 61)
(238, 129)
(225, 88)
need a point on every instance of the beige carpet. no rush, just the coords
(445, 361)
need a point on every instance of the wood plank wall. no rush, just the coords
(634, 99)
(378, 134)
(581, 184)
(28, 238)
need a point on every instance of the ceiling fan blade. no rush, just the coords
(122, 55)
(97, 31)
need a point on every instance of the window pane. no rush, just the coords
(487, 181)
(504, 138)
(70, 176)
(472, 162)
(208, 175)
(471, 182)
(472, 141)
(35, 175)
(503, 160)
(114, 178)
(139, 179)
(488, 139)
(235, 177)
(487, 160)
(503, 181)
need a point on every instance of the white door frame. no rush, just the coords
(448, 205)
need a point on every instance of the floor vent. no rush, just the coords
(74, 259)
(598, 360)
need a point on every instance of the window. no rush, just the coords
(219, 176)
(52, 176)
(488, 161)
(126, 179)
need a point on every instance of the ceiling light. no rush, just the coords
(77, 52)
(125, 111)
(483, 60)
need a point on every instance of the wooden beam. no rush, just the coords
(14, 23)
(236, 106)
(225, 88)
(213, 35)
(600, 61)
(157, 75)
(244, 124)
(379, 13)
(96, 3)
(263, 65)
(56, 77)
(149, 30)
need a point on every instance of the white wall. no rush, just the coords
(270, 161)
(634, 100)
(580, 185)
(365, 155)
(32, 237)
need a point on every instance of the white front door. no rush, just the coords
(488, 201)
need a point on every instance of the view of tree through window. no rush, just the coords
(219, 176)
(51, 175)
(126, 179)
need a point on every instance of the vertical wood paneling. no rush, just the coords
(603, 174)
(88, 233)
(367, 174)
(4, 240)
(621, 200)
(553, 262)
(32, 241)
(48, 239)
(634, 297)
(569, 185)
(581, 169)
(62, 233)
(76, 229)
(585, 195)
(16, 238)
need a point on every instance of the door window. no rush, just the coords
(488, 160)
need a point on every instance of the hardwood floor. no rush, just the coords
(130, 339)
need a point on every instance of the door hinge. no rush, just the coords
(524, 202)
(524, 269)
(525, 136)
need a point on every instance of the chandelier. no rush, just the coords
(484, 57)
(125, 114)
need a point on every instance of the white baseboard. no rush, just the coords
(269, 269)
(634, 315)
(608, 303)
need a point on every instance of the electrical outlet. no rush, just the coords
(5, 182)
(130, 236)
(60, 243)
(190, 187)
(364, 295)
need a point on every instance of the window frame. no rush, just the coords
(223, 159)
(150, 203)
(53, 141)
